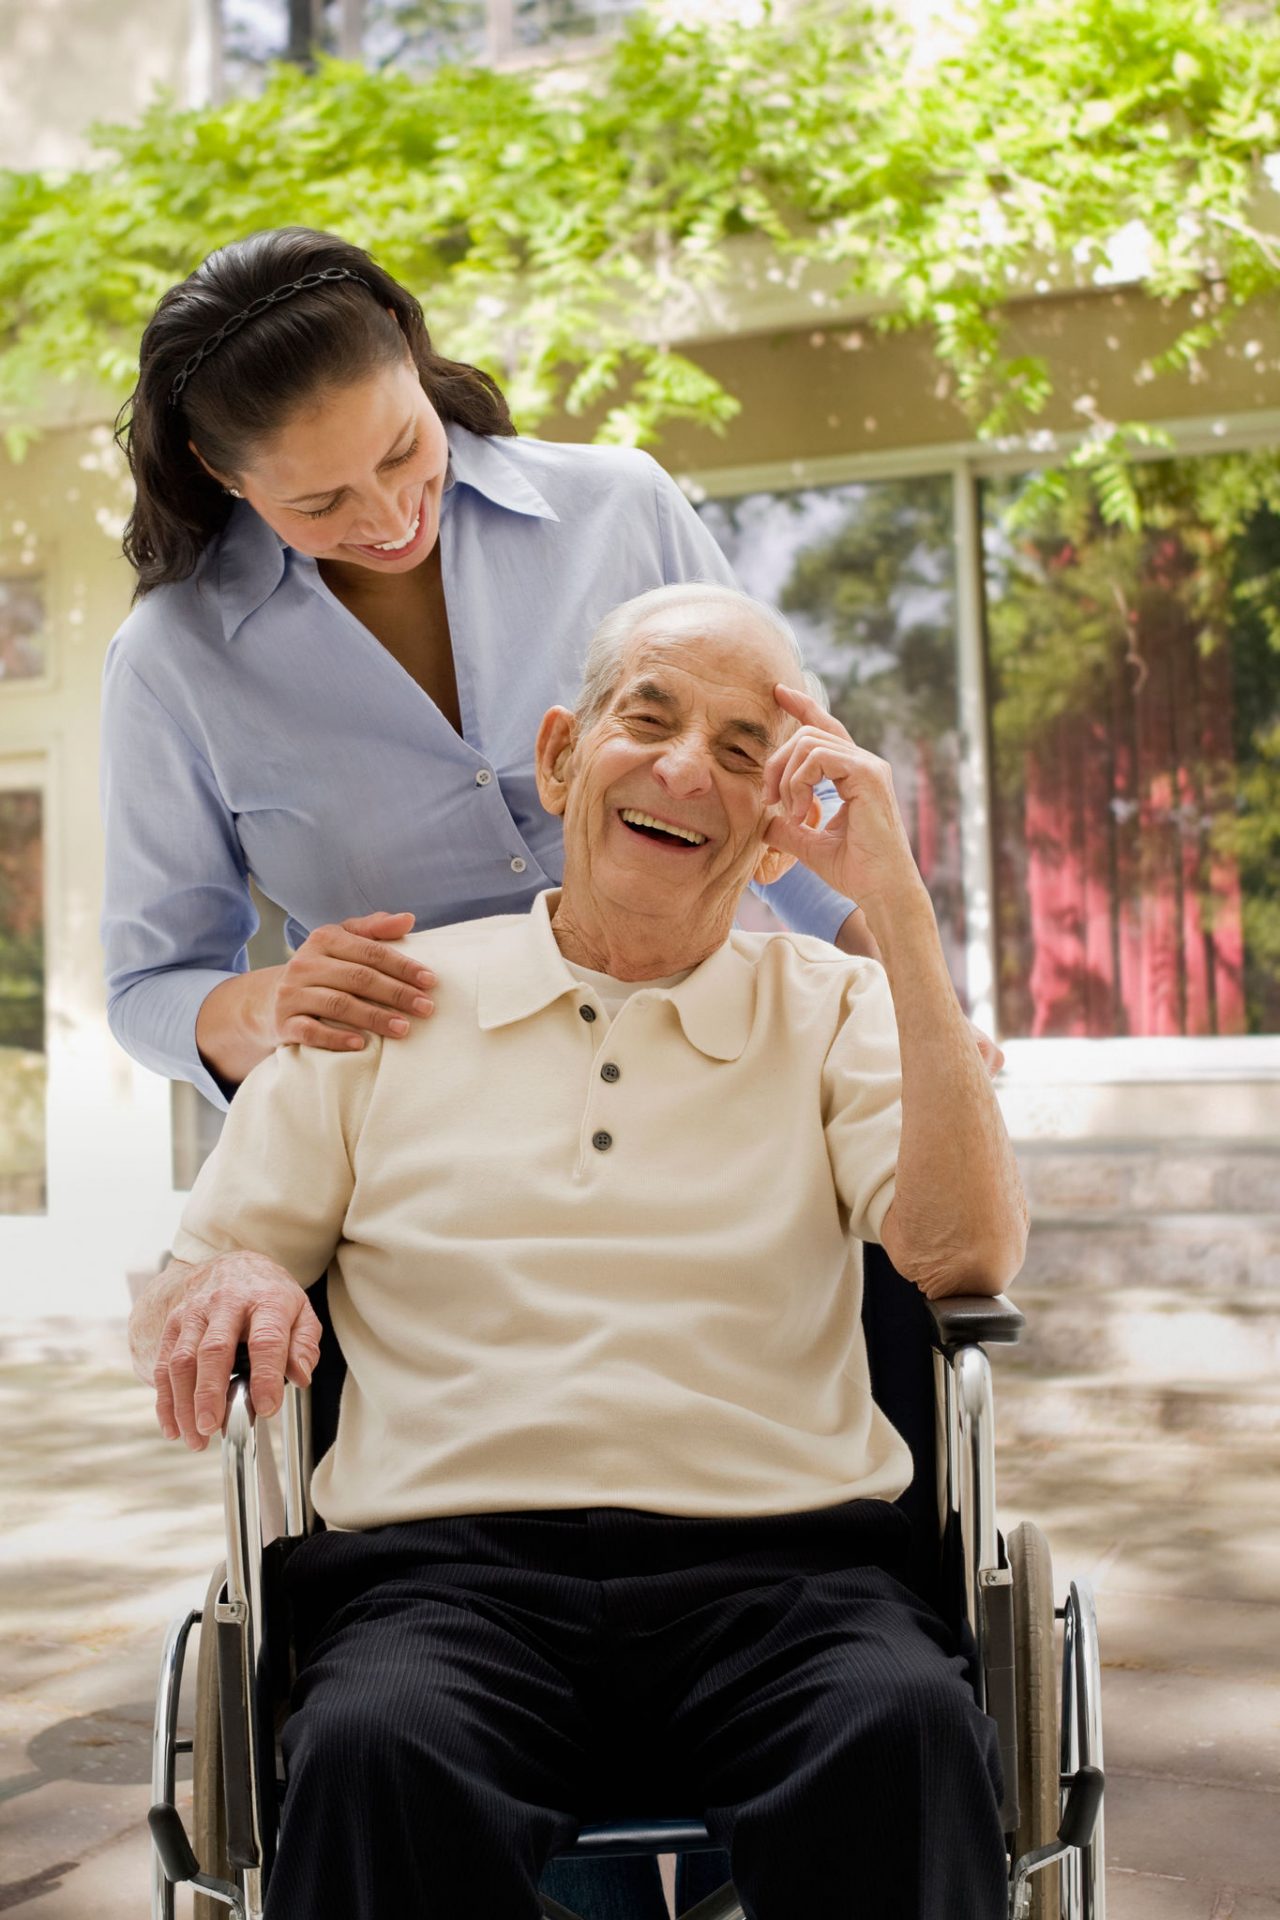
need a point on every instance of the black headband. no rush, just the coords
(237, 320)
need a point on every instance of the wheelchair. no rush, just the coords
(931, 1377)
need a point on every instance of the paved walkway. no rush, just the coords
(108, 1532)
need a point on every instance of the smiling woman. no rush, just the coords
(230, 368)
(391, 496)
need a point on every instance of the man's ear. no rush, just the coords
(771, 865)
(774, 861)
(551, 757)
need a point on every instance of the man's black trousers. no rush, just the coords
(474, 1688)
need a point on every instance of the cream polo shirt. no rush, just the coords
(586, 1261)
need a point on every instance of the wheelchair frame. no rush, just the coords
(965, 1463)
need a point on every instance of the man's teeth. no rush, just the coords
(634, 818)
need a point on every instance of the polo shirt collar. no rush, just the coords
(249, 560)
(715, 1004)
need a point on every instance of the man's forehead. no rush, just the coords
(740, 661)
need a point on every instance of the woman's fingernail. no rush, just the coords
(423, 1005)
(399, 1026)
(425, 979)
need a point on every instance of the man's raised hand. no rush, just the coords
(863, 851)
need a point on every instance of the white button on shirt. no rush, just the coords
(533, 1318)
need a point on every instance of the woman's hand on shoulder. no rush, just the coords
(345, 981)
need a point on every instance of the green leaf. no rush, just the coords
(554, 221)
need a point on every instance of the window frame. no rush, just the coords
(1057, 1060)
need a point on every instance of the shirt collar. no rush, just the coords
(246, 566)
(485, 462)
(715, 1004)
(249, 560)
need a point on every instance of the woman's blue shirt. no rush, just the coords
(253, 726)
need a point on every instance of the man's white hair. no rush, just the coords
(616, 631)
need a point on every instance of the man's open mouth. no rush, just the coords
(662, 830)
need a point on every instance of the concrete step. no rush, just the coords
(1164, 1321)
(1218, 1256)
(1228, 1177)
(1113, 1407)
(1149, 1335)
(1194, 1296)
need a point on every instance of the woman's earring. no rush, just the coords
(234, 492)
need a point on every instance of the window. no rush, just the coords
(555, 23)
(404, 33)
(22, 1023)
(22, 642)
(865, 572)
(1135, 754)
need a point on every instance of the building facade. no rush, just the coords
(1084, 726)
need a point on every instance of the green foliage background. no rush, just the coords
(546, 217)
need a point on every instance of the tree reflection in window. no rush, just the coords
(22, 654)
(22, 1057)
(866, 574)
(402, 34)
(1135, 712)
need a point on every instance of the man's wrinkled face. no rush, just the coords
(663, 806)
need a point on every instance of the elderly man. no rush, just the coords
(609, 1482)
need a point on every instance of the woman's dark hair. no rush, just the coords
(324, 336)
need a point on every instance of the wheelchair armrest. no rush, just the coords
(974, 1319)
(298, 1515)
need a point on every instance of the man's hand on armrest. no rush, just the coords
(184, 1331)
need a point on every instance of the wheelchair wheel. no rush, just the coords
(1037, 1685)
(209, 1809)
